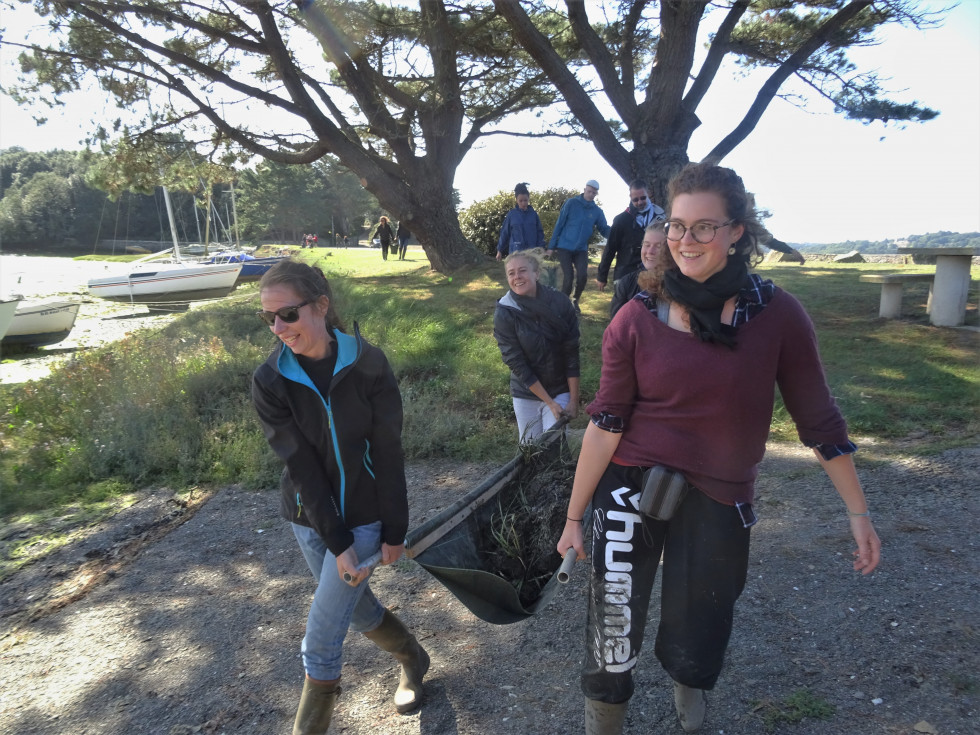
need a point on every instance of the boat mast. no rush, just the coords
(234, 213)
(173, 225)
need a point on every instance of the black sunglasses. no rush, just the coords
(288, 314)
(639, 199)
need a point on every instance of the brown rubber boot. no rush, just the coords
(690, 704)
(392, 636)
(604, 719)
(316, 707)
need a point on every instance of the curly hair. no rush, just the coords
(307, 281)
(739, 206)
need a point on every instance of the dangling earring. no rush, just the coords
(731, 250)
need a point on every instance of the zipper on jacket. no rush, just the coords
(299, 506)
(337, 455)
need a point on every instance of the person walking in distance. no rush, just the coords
(521, 229)
(330, 408)
(386, 235)
(626, 235)
(403, 236)
(578, 218)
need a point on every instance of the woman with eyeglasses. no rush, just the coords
(689, 373)
(331, 410)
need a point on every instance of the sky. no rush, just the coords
(823, 178)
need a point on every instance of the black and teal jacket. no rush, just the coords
(342, 452)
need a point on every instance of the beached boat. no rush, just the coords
(36, 324)
(167, 285)
(252, 268)
(7, 309)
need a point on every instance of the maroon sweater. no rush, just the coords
(704, 409)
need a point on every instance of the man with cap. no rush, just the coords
(579, 216)
(626, 234)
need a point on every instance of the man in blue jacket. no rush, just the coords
(578, 218)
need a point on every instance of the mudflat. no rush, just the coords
(99, 322)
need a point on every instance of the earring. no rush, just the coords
(731, 250)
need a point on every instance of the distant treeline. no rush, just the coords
(51, 201)
(941, 239)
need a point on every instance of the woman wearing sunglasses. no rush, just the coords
(689, 373)
(331, 410)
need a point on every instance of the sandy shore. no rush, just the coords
(99, 322)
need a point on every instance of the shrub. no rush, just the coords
(482, 220)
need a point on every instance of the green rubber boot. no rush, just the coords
(316, 707)
(392, 636)
(604, 719)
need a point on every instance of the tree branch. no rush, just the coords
(601, 60)
(574, 94)
(776, 79)
(716, 54)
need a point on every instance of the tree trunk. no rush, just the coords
(427, 210)
(657, 165)
(436, 226)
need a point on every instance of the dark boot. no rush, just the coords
(316, 707)
(604, 719)
(392, 636)
(690, 704)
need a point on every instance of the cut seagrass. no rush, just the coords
(494, 548)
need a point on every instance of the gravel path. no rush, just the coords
(197, 629)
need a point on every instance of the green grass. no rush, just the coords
(892, 378)
(171, 407)
(796, 707)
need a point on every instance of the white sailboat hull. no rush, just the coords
(7, 311)
(40, 324)
(167, 283)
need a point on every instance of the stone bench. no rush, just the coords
(891, 290)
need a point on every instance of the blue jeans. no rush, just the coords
(337, 607)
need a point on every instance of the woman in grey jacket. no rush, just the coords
(536, 328)
(331, 410)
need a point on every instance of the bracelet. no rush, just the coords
(574, 520)
(858, 515)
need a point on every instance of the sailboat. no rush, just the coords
(37, 324)
(167, 285)
(7, 309)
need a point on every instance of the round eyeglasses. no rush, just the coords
(702, 232)
(288, 314)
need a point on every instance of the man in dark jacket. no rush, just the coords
(626, 234)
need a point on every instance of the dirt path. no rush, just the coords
(198, 631)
